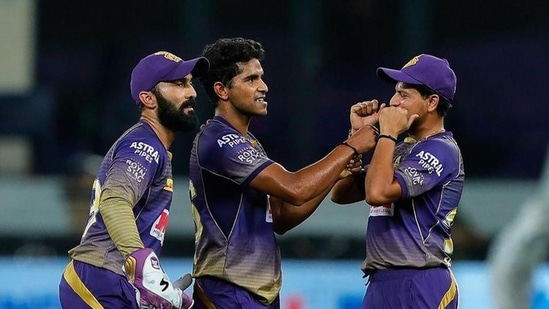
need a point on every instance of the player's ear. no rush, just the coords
(221, 90)
(148, 99)
(432, 102)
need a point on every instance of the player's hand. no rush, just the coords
(364, 139)
(144, 271)
(365, 113)
(395, 120)
(353, 167)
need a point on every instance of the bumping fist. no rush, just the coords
(145, 273)
(365, 108)
(365, 113)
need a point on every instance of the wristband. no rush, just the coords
(356, 153)
(387, 136)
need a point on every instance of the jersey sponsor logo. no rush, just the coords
(135, 170)
(387, 210)
(250, 155)
(231, 140)
(146, 151)
(415, 175)
(430, 162)
(269, 213)
(160, 225)
(169, 185)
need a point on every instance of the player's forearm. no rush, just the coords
(349, 190)
(321, 176)
(118, 217)
(302, 186)
(380, 175)
(291, 216)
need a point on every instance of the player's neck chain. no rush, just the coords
(411, 140)
(437, 132)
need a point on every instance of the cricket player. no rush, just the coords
(240, 197)
(412, 187)
(116, 264)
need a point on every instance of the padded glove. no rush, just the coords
(144, 272)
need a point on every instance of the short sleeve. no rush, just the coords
(136, 163)
(430, 163)
(226, 153)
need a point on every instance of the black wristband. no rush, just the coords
(387, 136)
(356, 153)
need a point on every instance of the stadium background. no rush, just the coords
(64, 98)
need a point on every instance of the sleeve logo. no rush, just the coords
(250, 155)
(430, 163)
(146, 151)
(231, 140)
(135, 170)
(415, 175)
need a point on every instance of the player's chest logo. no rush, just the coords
(387, 210)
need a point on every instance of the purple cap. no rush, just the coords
(428, 70)
(163, 66)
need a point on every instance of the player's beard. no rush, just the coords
(174, 118)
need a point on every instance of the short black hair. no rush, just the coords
(223, 56)
(443, 104)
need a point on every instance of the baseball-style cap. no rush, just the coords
(428, 70)
(163, 66)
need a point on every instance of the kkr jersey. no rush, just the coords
(415, 231)
(137, 168)
(234, 237)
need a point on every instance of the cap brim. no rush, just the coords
(196, 66)
(395, 76)
(201, 66)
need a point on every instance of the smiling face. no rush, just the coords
(247, 90)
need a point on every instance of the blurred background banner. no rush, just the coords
(64, 98)
(18, 47)
(307, 284)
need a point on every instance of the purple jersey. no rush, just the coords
(234, 238)
(415, 231)
(137, 168)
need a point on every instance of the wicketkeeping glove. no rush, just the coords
(144, 271)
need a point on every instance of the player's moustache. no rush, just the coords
(189, 103)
